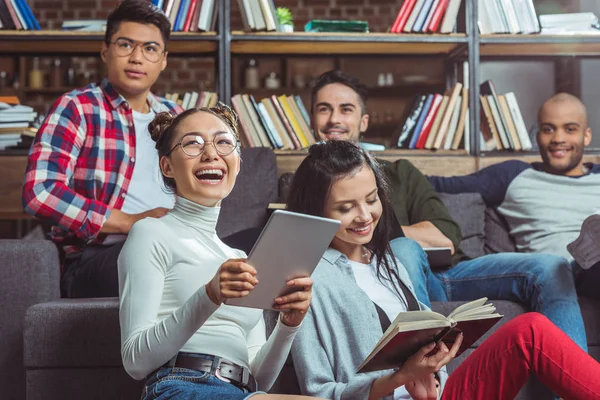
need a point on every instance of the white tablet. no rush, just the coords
(290, 246)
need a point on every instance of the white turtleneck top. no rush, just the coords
(164, 307)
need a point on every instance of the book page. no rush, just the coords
(468, 306)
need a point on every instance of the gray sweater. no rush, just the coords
(341, 328)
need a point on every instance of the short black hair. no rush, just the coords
(337, 76)
(140, 11)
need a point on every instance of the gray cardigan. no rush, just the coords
(340, 329)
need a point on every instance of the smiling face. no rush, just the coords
(134, 75)
(337, 113)
(354, 202)
(208, 178)
(563, 134)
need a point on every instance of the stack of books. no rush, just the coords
(194, 99)
(91, 25)
(17, 15)
(15, 120)
(190, 15)
(502, 124)
(507, 16)
(571, 23)
(320, 25)
(278, 122)
(427, 16)
(259, 15)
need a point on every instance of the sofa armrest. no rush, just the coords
(29, 274)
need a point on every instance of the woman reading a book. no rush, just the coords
(175, 274)
(359, 287)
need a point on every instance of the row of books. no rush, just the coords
(436, 121)
(190, 15)
(278, 122)
(427, 16)
(17, 15)
(507, 16)
(194, 99)
(502, 124)
(259, 15)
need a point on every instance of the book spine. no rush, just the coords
(403, 15)
(286, 122)
(190, 16)
(437, 17)
(411, 122)
(420, 21)
(420, 121)
(449, 21)
(413, 16)
(437, 100)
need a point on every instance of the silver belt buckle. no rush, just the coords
(217, 370)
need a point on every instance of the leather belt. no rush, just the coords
(219, 367)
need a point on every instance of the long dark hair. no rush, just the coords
(328, 162)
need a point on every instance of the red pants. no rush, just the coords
(529, 344)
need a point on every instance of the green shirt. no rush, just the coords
(414, 200)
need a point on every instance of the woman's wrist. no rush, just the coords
(387, 384)
(211, 295)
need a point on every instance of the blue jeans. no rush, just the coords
(188, 384)
(542, 282)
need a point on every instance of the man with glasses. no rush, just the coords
(93, 168)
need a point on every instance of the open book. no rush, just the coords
(412, 330)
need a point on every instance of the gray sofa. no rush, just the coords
(71, 348)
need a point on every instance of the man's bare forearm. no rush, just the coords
(427, 235)
(118, 222)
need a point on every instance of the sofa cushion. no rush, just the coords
(467, 209)
(497, 238)
(255, 187)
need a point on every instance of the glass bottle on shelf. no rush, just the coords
(252, 79)
(57, 80)
(272, 81)
(36, 76)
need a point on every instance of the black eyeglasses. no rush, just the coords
(193, 144)
(125, 47)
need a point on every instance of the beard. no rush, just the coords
(562, 167)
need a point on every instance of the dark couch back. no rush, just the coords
(255, 187)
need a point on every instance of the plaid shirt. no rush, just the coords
(81, 161)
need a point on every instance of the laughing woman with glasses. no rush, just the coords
(175, 274)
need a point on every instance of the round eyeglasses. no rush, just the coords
(125, 47)
(193, 144)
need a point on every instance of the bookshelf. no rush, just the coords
(226, 48)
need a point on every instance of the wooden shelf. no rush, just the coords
(66, 42)
(49, 90)
(539, 45)
(303, 43)
(397, 90)
(441, 162)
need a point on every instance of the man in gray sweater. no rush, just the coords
(545, 204)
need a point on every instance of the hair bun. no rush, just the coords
(159, 125)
